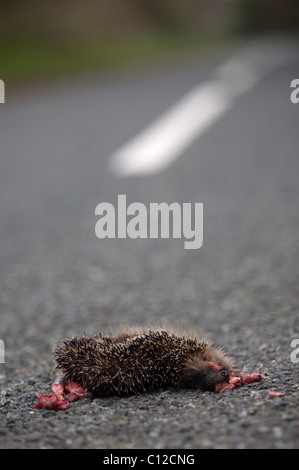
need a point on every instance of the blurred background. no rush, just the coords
(44, 38)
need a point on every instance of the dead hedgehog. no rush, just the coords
(135, 361)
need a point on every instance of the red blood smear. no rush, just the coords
(276, 394)
(51, 402)
(235, 381)
(57, 388)
(250, 378)
(223, 386)
(213, 366)
(59, 400)
(75, 391)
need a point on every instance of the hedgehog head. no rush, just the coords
(207, 370)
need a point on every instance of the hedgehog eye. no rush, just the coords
(224, 373)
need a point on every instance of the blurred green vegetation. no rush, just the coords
(29, 59)
(45, 38)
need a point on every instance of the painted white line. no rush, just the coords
(167, 137)
(157, 146)
(2, 92)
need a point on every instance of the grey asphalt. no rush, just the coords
(58, 279)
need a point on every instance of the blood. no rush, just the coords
(276, 394)
(237, 381)
(61, 397)
(213, 366)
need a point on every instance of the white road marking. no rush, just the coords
(163, 141)
(166, 138)
(2, 91)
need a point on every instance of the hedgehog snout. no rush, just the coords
(214, 377)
